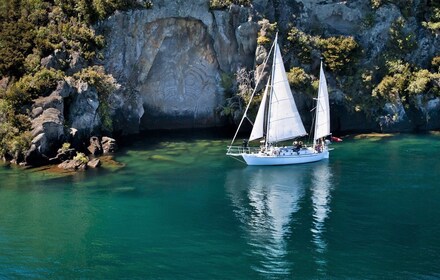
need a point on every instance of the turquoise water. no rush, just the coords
(180, 209)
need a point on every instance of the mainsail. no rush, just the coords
(284, 120)
(322, 123)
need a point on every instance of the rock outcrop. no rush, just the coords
(108, 145)
(169, 60)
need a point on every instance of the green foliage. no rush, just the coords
(31, 86)
(404, 82)
(375, 4)
(15, 137)
(433, 15)
(418, 82)
(16, 42)
(263, 40)
(227, 82)
(81, 157)
(436, 63)
(401, 41)
(339, 52)
(65, 146)
(71, 35)
(266, 34)
(301, 81)
(302, 44)
(223, 4)
(234, 105)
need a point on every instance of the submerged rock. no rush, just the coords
(73, 165)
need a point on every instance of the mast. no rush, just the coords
(266, 143)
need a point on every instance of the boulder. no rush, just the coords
(73, 165)
(108, 145)
(95, 147)
(94, 163)
(48, 132)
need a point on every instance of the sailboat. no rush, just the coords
(278, 120)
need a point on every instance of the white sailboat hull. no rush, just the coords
(263, 159)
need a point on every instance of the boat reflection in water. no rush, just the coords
(321, 187)
(267, 201)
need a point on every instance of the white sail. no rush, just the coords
(284, 120)
(258, 128)
(322, 123)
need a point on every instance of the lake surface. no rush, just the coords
(180, 209)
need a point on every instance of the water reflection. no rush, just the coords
(321, 187)
(267, 201)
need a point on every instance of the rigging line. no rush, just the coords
(249, 120)
(237, 159)
(252, 96)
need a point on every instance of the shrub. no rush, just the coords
(419, 81)
(436, 63)
(33, 85)
(263, 40)
(81, 157)
(401, 41)
(339, 52)
(302, 81)
(223, 4)
(65, 147)
(301, 44)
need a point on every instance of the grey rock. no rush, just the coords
(52, 101)
(64, 88)
(76, 63)
(169, 59)
(48, 131)
(83, 112)
(57, 60)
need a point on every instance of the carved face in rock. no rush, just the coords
(180, 88)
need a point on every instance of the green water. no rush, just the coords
(180, 209)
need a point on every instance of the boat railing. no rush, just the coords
(239, 150)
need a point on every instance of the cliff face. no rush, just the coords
(169, 59)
